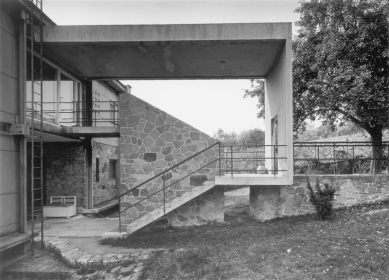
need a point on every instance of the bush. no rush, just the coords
(322, 197)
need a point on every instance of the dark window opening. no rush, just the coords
(112, 168)
(97, 170)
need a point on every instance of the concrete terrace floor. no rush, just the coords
(77, 226)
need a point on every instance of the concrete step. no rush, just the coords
(158, 213)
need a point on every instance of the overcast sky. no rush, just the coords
(205, 104)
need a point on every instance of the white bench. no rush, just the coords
(61, 206)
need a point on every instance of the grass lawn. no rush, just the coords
(354, 245)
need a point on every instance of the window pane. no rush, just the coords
(66, 101)
(49, 89)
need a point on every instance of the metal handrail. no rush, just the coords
(338, 159)
(228, 155)
(163, 181)
(79, 112)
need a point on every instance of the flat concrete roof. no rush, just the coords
(181, 51)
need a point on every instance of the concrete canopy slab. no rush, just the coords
(244, 50)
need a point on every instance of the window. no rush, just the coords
(112, 168)
(60, 93)
(97, 170)
(50, 83)
(112, 113)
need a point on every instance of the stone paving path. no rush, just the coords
(64, 260)
(43, 265)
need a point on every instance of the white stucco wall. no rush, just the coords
(278, 103)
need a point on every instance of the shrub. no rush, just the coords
(322, 197)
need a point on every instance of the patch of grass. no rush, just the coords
(353, 245)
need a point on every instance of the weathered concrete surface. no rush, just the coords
(269, 202)
(174, 51)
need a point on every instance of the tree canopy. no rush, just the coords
(251, 137)
(340, 65)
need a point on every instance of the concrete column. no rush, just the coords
(278, 104)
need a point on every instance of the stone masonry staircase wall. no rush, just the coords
(152, 141)
(204, 204)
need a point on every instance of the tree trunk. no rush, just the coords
(377, 152)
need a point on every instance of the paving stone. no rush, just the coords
(110, 260)
(139, 268)
(96, 262)
(83, 260)
(116, 269)
(124, 271)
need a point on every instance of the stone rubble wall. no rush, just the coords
(206, 208)
(105, 189)
(152, 141)
(268, 202)
(66, 171)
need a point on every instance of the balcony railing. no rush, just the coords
(339, 157)
(242, 159)
(98, 113)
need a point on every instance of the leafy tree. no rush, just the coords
(341, 66)
(252, 137)
(248, 137)
(226, 138)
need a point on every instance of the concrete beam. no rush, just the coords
(174, 32)
(94, 132)
(181, 51)
(251, 180)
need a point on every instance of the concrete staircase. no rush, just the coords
(170, 206)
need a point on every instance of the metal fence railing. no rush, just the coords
(339, 157)
(77, 113)
(243, 159)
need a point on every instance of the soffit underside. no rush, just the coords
(167, 59)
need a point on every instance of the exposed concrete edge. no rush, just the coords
(94, 131)
(73, 132)
(13, 240)
(252, 180)
(114, 235)
(168, 32)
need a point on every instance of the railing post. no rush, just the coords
(353, 167)
(294, 165)
(318, 156)
(274, 161)
(120, 220)
(232, 164)
(387, 164)
(220, 171)
(334, 158)
(163, 185)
